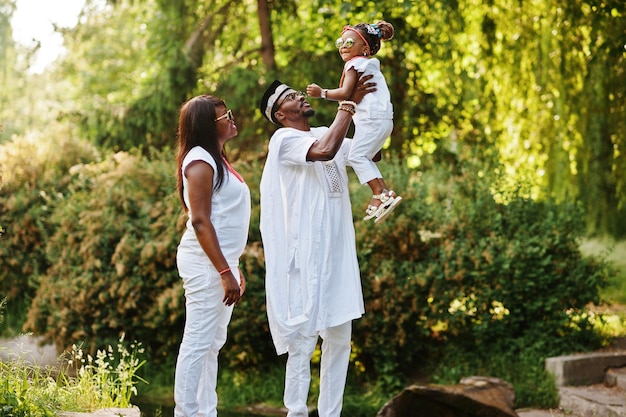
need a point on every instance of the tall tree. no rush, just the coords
(535, 86)
(558, 79)
(601, 160)
(267, 40)
(8, 68)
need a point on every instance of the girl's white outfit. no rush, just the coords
(207, 317)
(373, 121)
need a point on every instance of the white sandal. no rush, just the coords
(386, 200)
(382, 214)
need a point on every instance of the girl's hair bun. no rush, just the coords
(386, 30)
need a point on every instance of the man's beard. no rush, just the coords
(308, 113)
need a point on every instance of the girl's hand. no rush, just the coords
(314, 90)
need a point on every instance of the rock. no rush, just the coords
(472, 397)
(29, 349)
(107, 412)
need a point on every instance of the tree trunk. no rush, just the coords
(267, 40)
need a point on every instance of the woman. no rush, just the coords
(217, 202)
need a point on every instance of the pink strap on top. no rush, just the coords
(232, 170)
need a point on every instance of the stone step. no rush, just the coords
(584, 368)
(591, 384)
(593, 400)
(616, 377)
(586, 401)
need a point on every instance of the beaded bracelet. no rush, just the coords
(347, 102)
(348, 109)
(225, 271)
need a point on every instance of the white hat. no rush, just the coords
(271, 97)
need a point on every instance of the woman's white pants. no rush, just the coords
(206, 323)
(333, 371)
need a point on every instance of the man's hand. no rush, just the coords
(362, 88)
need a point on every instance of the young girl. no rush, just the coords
(374, 115)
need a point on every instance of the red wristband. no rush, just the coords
(225, 271)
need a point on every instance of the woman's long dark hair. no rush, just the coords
(197, 127)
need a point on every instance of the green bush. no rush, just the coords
(35, 177)
(249, 342)
(453, 266)
(112, 257)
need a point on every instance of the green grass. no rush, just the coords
(259, 386)
(264, 387)
(615, 253)
(80, 383)
(12, 318)
(533, 385)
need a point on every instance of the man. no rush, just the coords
(313, 285)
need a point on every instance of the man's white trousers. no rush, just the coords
(333, 371)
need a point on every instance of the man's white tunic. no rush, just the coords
(312, 274)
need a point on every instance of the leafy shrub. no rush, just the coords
(249, 342)
(112, 257)
(453, 266)
(34, 170)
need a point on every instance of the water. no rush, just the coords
(151, 408)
